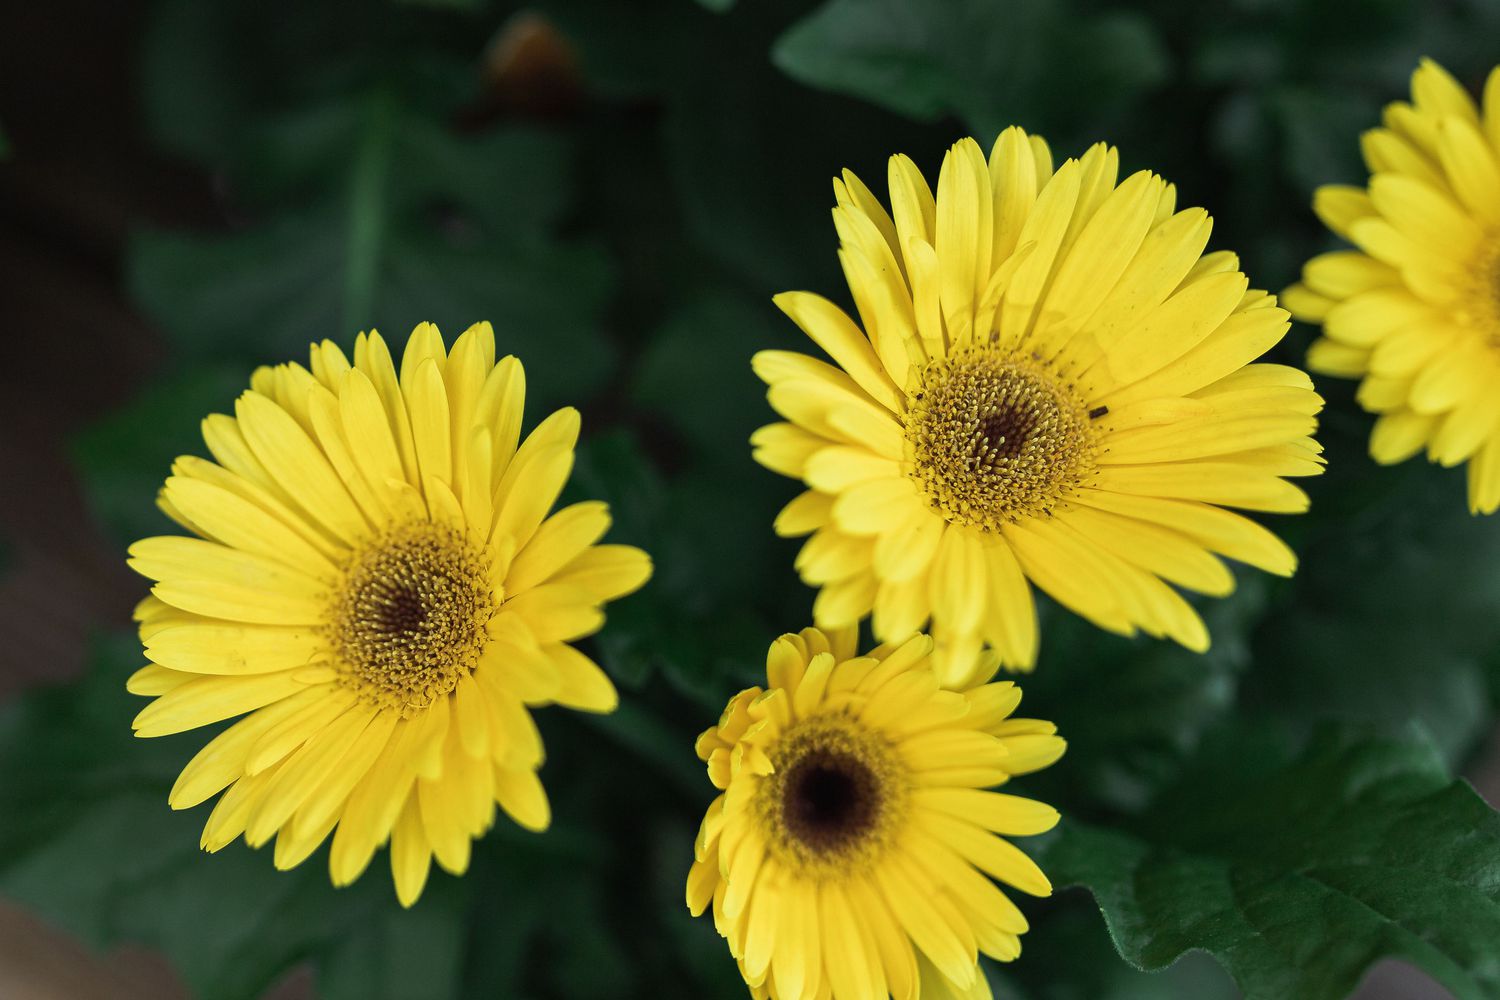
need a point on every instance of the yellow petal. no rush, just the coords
(299, 466)
(213, 699)
(833, 331)
(521, 795)
(411, 856)
(559, 540)
(584, 686)
(243, 524)
(1212, 482)
(958, 581)
(303, 771)
(222, 759)
(1004, 814)
(606, 572)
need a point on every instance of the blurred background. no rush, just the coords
(190, 189)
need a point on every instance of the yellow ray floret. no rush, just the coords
(1414, 310)
(851, 853)
(376, 586)
(1049, 384)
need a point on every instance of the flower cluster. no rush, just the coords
(1049, 384)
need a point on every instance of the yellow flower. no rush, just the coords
(1415, 310)
(850, 854)
(377, 583)
(1053, 387)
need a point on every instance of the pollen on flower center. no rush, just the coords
(994, 439)
(834, 796)
(409, 622)
(1484, 293)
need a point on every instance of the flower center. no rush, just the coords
(1485, 293)
(829, 800)
(409, 622)
(834, 798)
(995, 440)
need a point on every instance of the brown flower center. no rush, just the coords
(994, 440)
(835, 798)
(409, 622)
(829, 799)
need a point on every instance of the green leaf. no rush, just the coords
(1298, 876)
(769, 223)
(755, 194)
(384, 218)
(362, 194)
(1068, 955)
(695, 622)
(124, 458)
(1392, 614)
(991, 66)
(460, 5)
(87, 840)
(212, 74)
(628, 50)
(1149, 701)
(695, 372)
(1320, 133)
(396, 955)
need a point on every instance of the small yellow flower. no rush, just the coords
(1052, 386)
(851, 853)
(376, 582)
(1415, 310)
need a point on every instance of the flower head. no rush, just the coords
(376, 586)
(1414, 310)
(1052, 386)
(851, 853)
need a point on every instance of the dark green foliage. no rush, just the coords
(1392, 615)
(383, 205)
(1147, 704)
(361, 195)
(88, 842)
(123, 468)
(626, 247)
(1298, 876)
(991, 65)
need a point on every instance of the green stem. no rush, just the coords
(368, 178)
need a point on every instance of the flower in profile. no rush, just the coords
(376, 586)
(1052, 386)
(1414, 309)
(851, 852)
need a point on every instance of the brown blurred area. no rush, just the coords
(79, 175)
(81, 172)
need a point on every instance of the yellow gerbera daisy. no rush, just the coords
(1415, 310)
(848, 855)
(1052, 385)
(377, 582)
